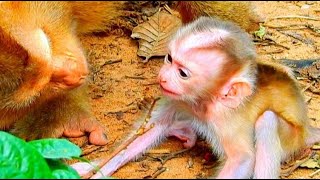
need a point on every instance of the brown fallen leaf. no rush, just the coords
(154, 34)
(311, 164)
(316, 147)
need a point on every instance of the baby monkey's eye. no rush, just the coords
(168, 59)
(184, 74)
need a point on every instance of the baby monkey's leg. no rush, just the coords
(162, 128)
(268, 147)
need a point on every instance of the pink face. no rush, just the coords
(188, 72)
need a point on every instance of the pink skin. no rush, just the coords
(268, 147)
(239, 150)
(187, 135)
(167, 92)
(164, 126)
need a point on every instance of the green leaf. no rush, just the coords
(261, 32)
(20, 160)
(56, 148)
(62, 171)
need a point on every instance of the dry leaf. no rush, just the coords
(154, 34)
(311, 163)
(316, 147)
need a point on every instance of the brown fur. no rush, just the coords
(274, 82)
(239, 12)
(98, 16)
(40, 93)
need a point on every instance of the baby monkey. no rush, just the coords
(251, 112)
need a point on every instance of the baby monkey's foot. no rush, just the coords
(187, 135)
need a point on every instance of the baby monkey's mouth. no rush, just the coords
(168, 92)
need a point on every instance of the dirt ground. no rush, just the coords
(117, 87)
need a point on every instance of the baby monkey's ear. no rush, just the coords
(233, 93)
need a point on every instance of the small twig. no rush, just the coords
(314, 173)
(172, 155)
(263, 43)
(159, 151)
(313, 28)
(151, 108)
(144, 167)
(149, 84)
(163, 159)
(298, 37)
(93, 148)
(158, 172)
(308, 99)
(306, 88)
(90, 150)
(125, 109)
(130, 103)
(142, 130)
(190, 163)
(153, 158)
(210, 166)
(273, 52)
(314, 90)
(286, 26)
(269, 38)
(288, 171)
(166, 7)
(135, 77)
(111, 62)
(295, 17)
(301, 78)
